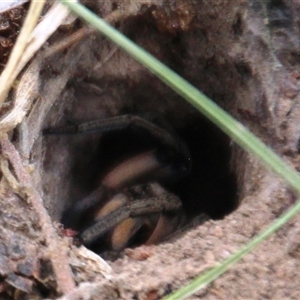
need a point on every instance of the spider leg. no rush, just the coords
(123, 231)
(71, 217)
(162, 203)
(165, 226)
(170, 159)
(124, 174)
(139, 168)
(167, 139)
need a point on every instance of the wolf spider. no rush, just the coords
(112, 213)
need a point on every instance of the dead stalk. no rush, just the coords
(80, 34)
(31, 20)
(57, 251)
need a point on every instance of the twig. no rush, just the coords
(27, 91)
(30, 41)
(7, 77)
(68, 41)
(57, 253)
(9, 177)
(80, 34)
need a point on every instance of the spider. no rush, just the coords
(112, 213)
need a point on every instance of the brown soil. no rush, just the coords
(245, 56)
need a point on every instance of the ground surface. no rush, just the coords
(245, 56)
(269, 272)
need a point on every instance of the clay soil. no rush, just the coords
(269, 272)
(245, 56)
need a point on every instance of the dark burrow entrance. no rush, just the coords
(208, 188)
(211, 185)
(230, 52)
(122, 86)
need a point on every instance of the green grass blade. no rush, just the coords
(221, 118)
(207, 277)
(233, 128)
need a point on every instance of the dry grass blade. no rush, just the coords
(31, 20)
(31, 38)
(51, 21)
(7, 5)
(30, 41)
(28, 87)
(81, 34)
(27, 90)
